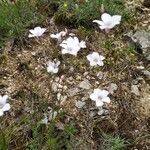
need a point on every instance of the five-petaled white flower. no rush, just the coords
(72, 46)
(4, 106)
(59, 35)
(36, 32)
(108, 21)
(95, 59)
(53, 67)
(100, 97)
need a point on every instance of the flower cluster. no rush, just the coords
(72, 45)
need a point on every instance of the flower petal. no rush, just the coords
(99, 103)
(93, 63)
(57, 63)
(102, 57)
(106, 100)
(64, 45)
(43, 30)
(104, 93)
(97, 91)
(39, 30)
(30, 35)
(1, 113)
(55, 70)
(3, 99)
(89, 57)
(101, 23)
(32, 31)
(54, 36)
(95, 55)
(74, 53)
(82, 44)
(49, 69)
(116, 19)
(93, 97)
(64, 51)
(76, 40)
(106, 18)
(100, 63)
(6, 107)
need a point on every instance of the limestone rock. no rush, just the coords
(79, 104)
(141, 39)
(85, 84)
(135, 90)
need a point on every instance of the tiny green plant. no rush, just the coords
(3, 144)
(37, 138)
(114, 143)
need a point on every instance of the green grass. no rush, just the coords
(3, 144)
(111, 142)
(15, 18)
(51, 137)
(30, 134)
(82, 13)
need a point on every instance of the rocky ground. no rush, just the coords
(126, 75)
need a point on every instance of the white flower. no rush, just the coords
(36, 32)
(53, 67)
(108, 21)
(95, 59)
(100, 96)
(59, 35)
(72, 46)
(3, 105)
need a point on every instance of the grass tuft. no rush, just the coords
(16, 17)
(114, 143)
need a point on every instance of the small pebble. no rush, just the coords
(135, 90)
(79, 104)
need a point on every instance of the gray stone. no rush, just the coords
(71, 69)
(100, 111)
(100, 74)
(146, 73)
(73, 91)
(135, 90)
(58, 96)
(79, 104)
(85, 84)
(141, 39)
(92, 114)
(112, 88)
(54, 87)
(63, 99)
